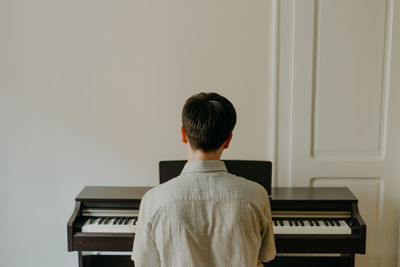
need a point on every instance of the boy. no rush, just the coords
(205, 216)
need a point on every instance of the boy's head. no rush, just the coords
(208, 120)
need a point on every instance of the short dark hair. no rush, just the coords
(208, 119)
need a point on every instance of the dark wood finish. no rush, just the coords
(103, 241)
(111, 197)
(111, 193)
(346, 260)
(312, 194)
(318, 243)
(125, 261)
(312, 198)
(130, 194)
(107, 261)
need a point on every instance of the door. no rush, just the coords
(338, 111)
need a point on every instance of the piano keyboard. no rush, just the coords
(110, 225)
(298, 226)
(293, 226)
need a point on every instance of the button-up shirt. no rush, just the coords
(204, 217)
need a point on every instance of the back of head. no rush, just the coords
(208, 119)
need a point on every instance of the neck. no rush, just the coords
(198, 155)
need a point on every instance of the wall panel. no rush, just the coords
(350, 85)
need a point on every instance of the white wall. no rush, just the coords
(91, 94)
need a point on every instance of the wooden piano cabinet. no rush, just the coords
(309, 201)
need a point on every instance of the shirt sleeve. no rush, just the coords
(145, 253)
(267, 250)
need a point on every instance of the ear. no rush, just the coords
(227, 141)
(183, 132)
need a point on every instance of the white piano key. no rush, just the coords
(110, 227)
(343, 229)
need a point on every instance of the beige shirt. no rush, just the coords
(204, 217)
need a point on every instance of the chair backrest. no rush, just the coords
(254, 170)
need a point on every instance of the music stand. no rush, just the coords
(254, 170)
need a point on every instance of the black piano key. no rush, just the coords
(301, 222)
(91, 221)
(316, 222)
(275, 222)
(337, 222)
(115, 221)
(101, 221)
(126, 221)
(280, 222)
(107, 220)
(310, 222)
(120, 221)
(325, 222)
(296, 222)
(331, 223)
(291, 222)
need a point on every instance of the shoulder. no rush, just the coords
(248, 189)
(158, 195)
(248, 184)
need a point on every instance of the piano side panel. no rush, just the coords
(363, 229)
(70, 225)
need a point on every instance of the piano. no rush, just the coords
(313, 227)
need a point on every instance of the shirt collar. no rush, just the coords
(204, 166)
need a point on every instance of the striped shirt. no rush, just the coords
(204, 217)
